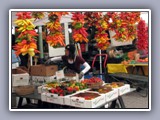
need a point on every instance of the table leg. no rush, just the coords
(39, 103)
(113, 105)
(132, 70)
(142, 71)
(137, 70)
(121, 102)
(20, 102)
(28, 100)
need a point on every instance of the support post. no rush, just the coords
(100, 63)
(40, 42)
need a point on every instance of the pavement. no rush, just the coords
(136, 100)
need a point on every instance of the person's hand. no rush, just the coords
(81, 75)
(48, 62)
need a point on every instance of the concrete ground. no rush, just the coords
(136, 100)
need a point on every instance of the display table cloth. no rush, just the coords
(121, 68)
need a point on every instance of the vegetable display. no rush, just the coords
(26, 40)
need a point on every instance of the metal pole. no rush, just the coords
(100, 62)
(31, 62)
(40, 42)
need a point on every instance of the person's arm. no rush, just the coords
(86, 68)
(56, 59)
(53, 59)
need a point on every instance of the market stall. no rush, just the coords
(78, 94)
(41, 35)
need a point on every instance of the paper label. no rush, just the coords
(60, 74)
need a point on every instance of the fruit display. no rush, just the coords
(38, 15)
(26, 40)
(94, 82)
(123, 24)
(101, 24)
(87, 95)
(114, 84)
(24, 47)
(102, 90)
(55, 38)
(142, 34)
(101, 36)
(65, 88)
(52, 85)
(79, 32)
(143, 60)
(62, 91)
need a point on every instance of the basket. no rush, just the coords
(24, 68)
(70, 74)
(95, 85)
(24, 90)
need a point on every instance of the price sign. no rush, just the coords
(60, 74)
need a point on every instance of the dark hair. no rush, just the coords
(71, 49)
(13, 40)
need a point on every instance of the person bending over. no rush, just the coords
(72, 61)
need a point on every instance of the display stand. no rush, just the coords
(31, 60)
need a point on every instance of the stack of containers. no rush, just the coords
(41, 74)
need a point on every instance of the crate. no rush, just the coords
(95, 85)
(19, 77)
(42, 70)
(24, 68)
(24, 90)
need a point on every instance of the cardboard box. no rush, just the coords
(67, 99)
(123, 89)
(43, 89)
(40, 80)
(111, 95)
(54, 98)
(42, 70)
(82, 103)
(24, 68)
(39, 89)
(19, 77)
(43, 97)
